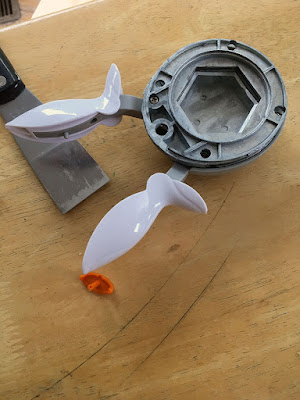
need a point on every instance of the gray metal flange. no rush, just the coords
(215, 105)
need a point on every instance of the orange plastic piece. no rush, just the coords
(97, 283)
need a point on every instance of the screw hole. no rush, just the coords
(231, 45)
(162, 129)
(94, 120)
(160, 82)
(154, 99)
(205, 153)
(279, 110)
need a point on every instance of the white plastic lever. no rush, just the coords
(128, 221)
(50, 122)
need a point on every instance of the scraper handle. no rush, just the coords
(10, 83)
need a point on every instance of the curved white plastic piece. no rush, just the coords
(64, 114)
(128, 221)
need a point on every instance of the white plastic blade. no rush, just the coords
(128, 221)
(64, 114)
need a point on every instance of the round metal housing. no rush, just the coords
(215, 105)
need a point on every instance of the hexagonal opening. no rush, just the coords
(219, 100)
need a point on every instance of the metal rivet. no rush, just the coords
(2, 80)
(154, 99)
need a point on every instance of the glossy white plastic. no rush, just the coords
(62, 115)
(128, 221)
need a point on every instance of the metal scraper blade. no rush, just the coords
(66, 170)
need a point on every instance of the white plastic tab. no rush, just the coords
(53, 122)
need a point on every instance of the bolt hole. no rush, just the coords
(162, 129)
(94, 120)
(154, 99)
(205, 153)
(231, 45)
(197, 122)
(160, 82)
(279, 110)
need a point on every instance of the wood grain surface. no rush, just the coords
(205, 307)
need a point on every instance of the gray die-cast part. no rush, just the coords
(215, 105)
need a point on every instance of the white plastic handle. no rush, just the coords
(62, 115)
(128, 221)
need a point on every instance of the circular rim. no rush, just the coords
(167, 111)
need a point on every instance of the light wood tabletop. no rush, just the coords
(205, 306)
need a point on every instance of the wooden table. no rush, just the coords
(205, 307)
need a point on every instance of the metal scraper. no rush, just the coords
(66, 170)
